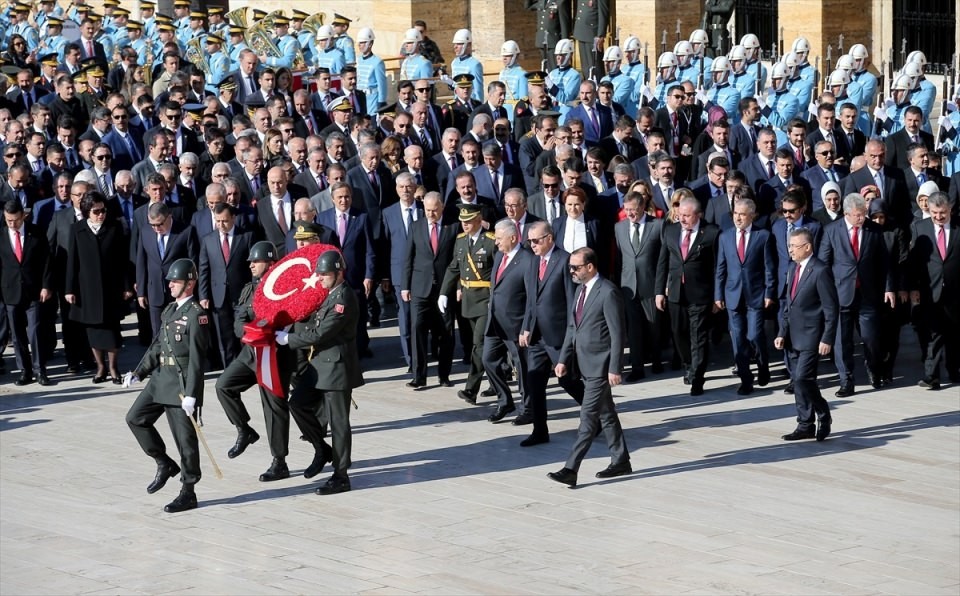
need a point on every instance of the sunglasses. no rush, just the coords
(102, 157)
(538, 240)
(423, 89)
(545, 185)
(576, 267)
(789, 211)
(825, 153)
(13, 155)
(97, 211)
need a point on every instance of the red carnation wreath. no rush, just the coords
(288, 292)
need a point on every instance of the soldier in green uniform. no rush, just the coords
(471, 266)
(241, 375)
(456, 112)
(553, 24)
(175, 362)
(330, 338)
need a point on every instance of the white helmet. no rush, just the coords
(668, 60)
(801, 47)
(846, 63)
(750, 41)
(365, 35)
(325, 32)
(462, 36)
(779, 72)
(902, 83)
(918, 57)
(838, 78)
(563, 52)
(738, 59)
(412, 35)
(699, 36)
(512, 50)
(914, 71)
(859, 54)
(613, 54)
(790, 62)
(720, 65)
(684, 52)
(632, 44)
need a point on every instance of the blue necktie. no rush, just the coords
(160, 246)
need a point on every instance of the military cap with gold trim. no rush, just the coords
(280, 20)
(339, 19)
(469, 212)
(165, 27)
(95, 17)
(21, 7)
(179, 3)
(258, 14)
(82, 9)
(135, 25)
(94, 71)
(80, 76)
(234, 30)
(340, 104)
(198, 14)
(195, 110)
(536, 77)
(464, 80)
(121, 12)
(51, 59)
(306, 230)
(227, 84)
(148, 5)
(54, 22)
(299, 15)
(214, 38)
(113, 3)
(215, 10)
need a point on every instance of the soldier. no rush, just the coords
(236, 45)
(371, 73)
(135, 40)
(537, 101)
(181, 15)
(241, 375)
(634, 69)
(589, 29)
(513, 76)
(176, 362)
(54, 41)
(218, 61)
(307, 40)
(286, 43)
(464, 62)
(147, 16)
(472, 264)
(117, 29)
(414, 66)
(195, 29)
(553, 24)
(343, 41)
(622, 84)
(328, 56)
(456, 112)
(780, 106)
(333, 372)
(722, 93)
(900, 95)
(563, 84)
(667, 65)
(924, 93)
(805, 70)
(797, 85)
(699, 40)
(868, 86)
(215, 21)
(685, 69)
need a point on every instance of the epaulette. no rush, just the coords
(490, 235)
(462, 235)
(529, 134)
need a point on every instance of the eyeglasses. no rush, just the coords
(423, 89)
(545, 185)
(681, 96)
(825, 153)
(100, 211)
(576, 267)
(13, 155)
(538, 240)
(102, 157)
(789, 211)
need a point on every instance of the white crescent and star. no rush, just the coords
(308, 282)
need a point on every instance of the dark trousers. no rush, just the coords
(691, 329)
(476, 327)
(865, 317)
(142, 417)
(240, 376)
(363, 338)
(596, 412)
(939, 333)
(76, 348)
(24, 321)
(312, 408)
(588, 60)
(228, 344)
(810, 403)
(144, 324)
(403, 325)
(426, 319)
(495, 352)
(643, 332)
(541, 359)
(749, 337)
(891, 321)
(155, 324)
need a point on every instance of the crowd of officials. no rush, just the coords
(544, 222)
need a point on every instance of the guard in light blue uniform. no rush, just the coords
(513, 76)
(219, 64)
(148, 17)
(699, 40)
(414, 66)
(722, 93)
(667, 65)
(135, 30)
(343, 42)
(622, 84)
(564, 83)
(924, 95)
(371, 73)
(236, 45)
(781, 105)
(306, 39)
(634, 68)
(24, 28)
(194, 29)
(742, 78)
(328, 55)
(55, 42)
(286, 43)
(802, 89)
(951, 141)
(465, 63)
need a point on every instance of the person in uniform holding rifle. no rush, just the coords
(176, 362)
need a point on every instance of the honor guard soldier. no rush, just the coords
(219, 63)
(414, 66)
(622, 84)
(343, 41)
(110, 14)
(195, 30)
(721, 92)
(924, 93)
(798, 86)
(751, 49)
(699, 40)
(175, 363)
(105, 39)
(148, 17)
(47, 9)
(469, 275)
(553, 24)
(900, 98)
(328, 55)
(589, 29)
(241, 375)
(780, 106)
(464, 62)
(805, 70)
(950, 137)
(685, 69)
(744, 79)
(136, 41)
(371, 72)
(513, 76)
(118, 30)
(215, 21)
(667, 65)
(843, 87)
(456, 112)
(868, 86)
(286, 43)
(54, 41)
(634, 68)
(23, 26)
(236, 45)
(333, 372)
(306, 39)
(165, 32)
(181, 14)
(563, 84)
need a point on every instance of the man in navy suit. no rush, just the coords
(760, 167)
(353, 228)
(771, 191)
(495, 176)
(125, 143)
(853, 247)
(808, 326)
(438, 167)
(720, 208)
(824, 171)
(597, 119)
(746, 286)
(743, 135)
(890, 180)
(373, 187)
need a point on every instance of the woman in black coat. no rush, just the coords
(97, 283)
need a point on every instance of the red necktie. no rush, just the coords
(281, 218)
(578, 313)
(742, 245)
(17, 246)
(942, 243)
(855, 242)
(796, 282)
(503, 265)
(434, 238)
(543, 268)
(685, 245)
(89, 48)
(225, 249)
(799, 158)
(309, 121)
(519, 233)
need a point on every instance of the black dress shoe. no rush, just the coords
(876, 381)
(416, 383)
(44, 380)
(696, 389)
(686, 380)
(467, 396)
(24, 379)
(374, 323)
(245, 437)
(634, 376)
(73, 369)
(501, 412)
(320, 459)
(278, 470)
(335, 484)
(564, 476)
(165, 471)
(535, 439)
(97, 379)
(117, 379)
(799, 435)
(744, 389)
(929, 384)
(185, 501)
(522, 420)
(789, 388)
(763, 376)
(823, 431)
(657, 368)
(488, 392)
(612, 471)
(845, 391)
(445, 382)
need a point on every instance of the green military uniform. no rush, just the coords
(176, 363)
(471, 266)
(456, 113)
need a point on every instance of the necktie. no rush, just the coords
(916, 139)
(309, 121)
(503, 265)
(595, 121)
(18, 246)
(373, 181)
(453, 163)
(799, 155)
(543, 268)
(831, 176)
(920, 179)
(27, 100)
(408, 219)
(281, 217)
(769, 168)
(342, 227)
(424, 141)
(878, 178)
(554, 210)
(519, 231)
(161, 246)
(71, 157)
(496, 182)
(103, 184)
(685, 245)
(753, 136)
(132, 148)
(855, 242)
(796, 281)
(850, 141)
(742, 245)
(578, 313)
(252, 83)
(225, 248)
(620, 149)
(790, 229)
(89, 48)
(36, 166)
(255, 184)
(942, 243)
(127, 214)
(434, 237)
(674, 121)
(636, 237)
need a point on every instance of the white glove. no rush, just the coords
(189, 405)
(129, 380)
(442, 304)
(548, 83)
(282, 338)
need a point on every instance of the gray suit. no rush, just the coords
(593, 349)
(638, 276)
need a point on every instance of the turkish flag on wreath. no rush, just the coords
(289, 291)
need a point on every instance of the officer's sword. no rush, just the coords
(203, 440)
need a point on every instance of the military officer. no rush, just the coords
(118, 28)
(622, 84)
(328, 54)
(175, 362)
(797, 85)
(414, 66)
(469, 274)
(553, 24)
(330, 336)
(54, 41)
(563, 84)
(589, 29)
(464, 62)
(195, 29)
(371, 72)
(181, 14)
(241, 375)
(307, 40)
(148, 17)
(343, 41)
(536, 102)
(218, 61)
(721, 92)
(456, 112)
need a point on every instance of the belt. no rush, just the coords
(168, 361)
(474, 284)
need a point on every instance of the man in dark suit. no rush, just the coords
(373, 187)
(721, 136)
(656, 142)
(808, 326)
(851, 142)
(495, 177)
(544, 125)
(638, 251)
(674, 126)
(161, 244)
(853, 247)
(465, 192)
(746, 286)
(90, 47)
(157, 148)
(275, 211)
(593, 350)
(25, 94)
(251, 178)
(621, 142)
(597, 118)
(911, 133)
(440, 166)
(761, 167)
(124, 143)
(224, 272)
(771, 191)
(743, 134)
(824, 171)
(505, 319)
(493, 107)
(935, 290)
(25, 282)
(685, 278)
(890, 180)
